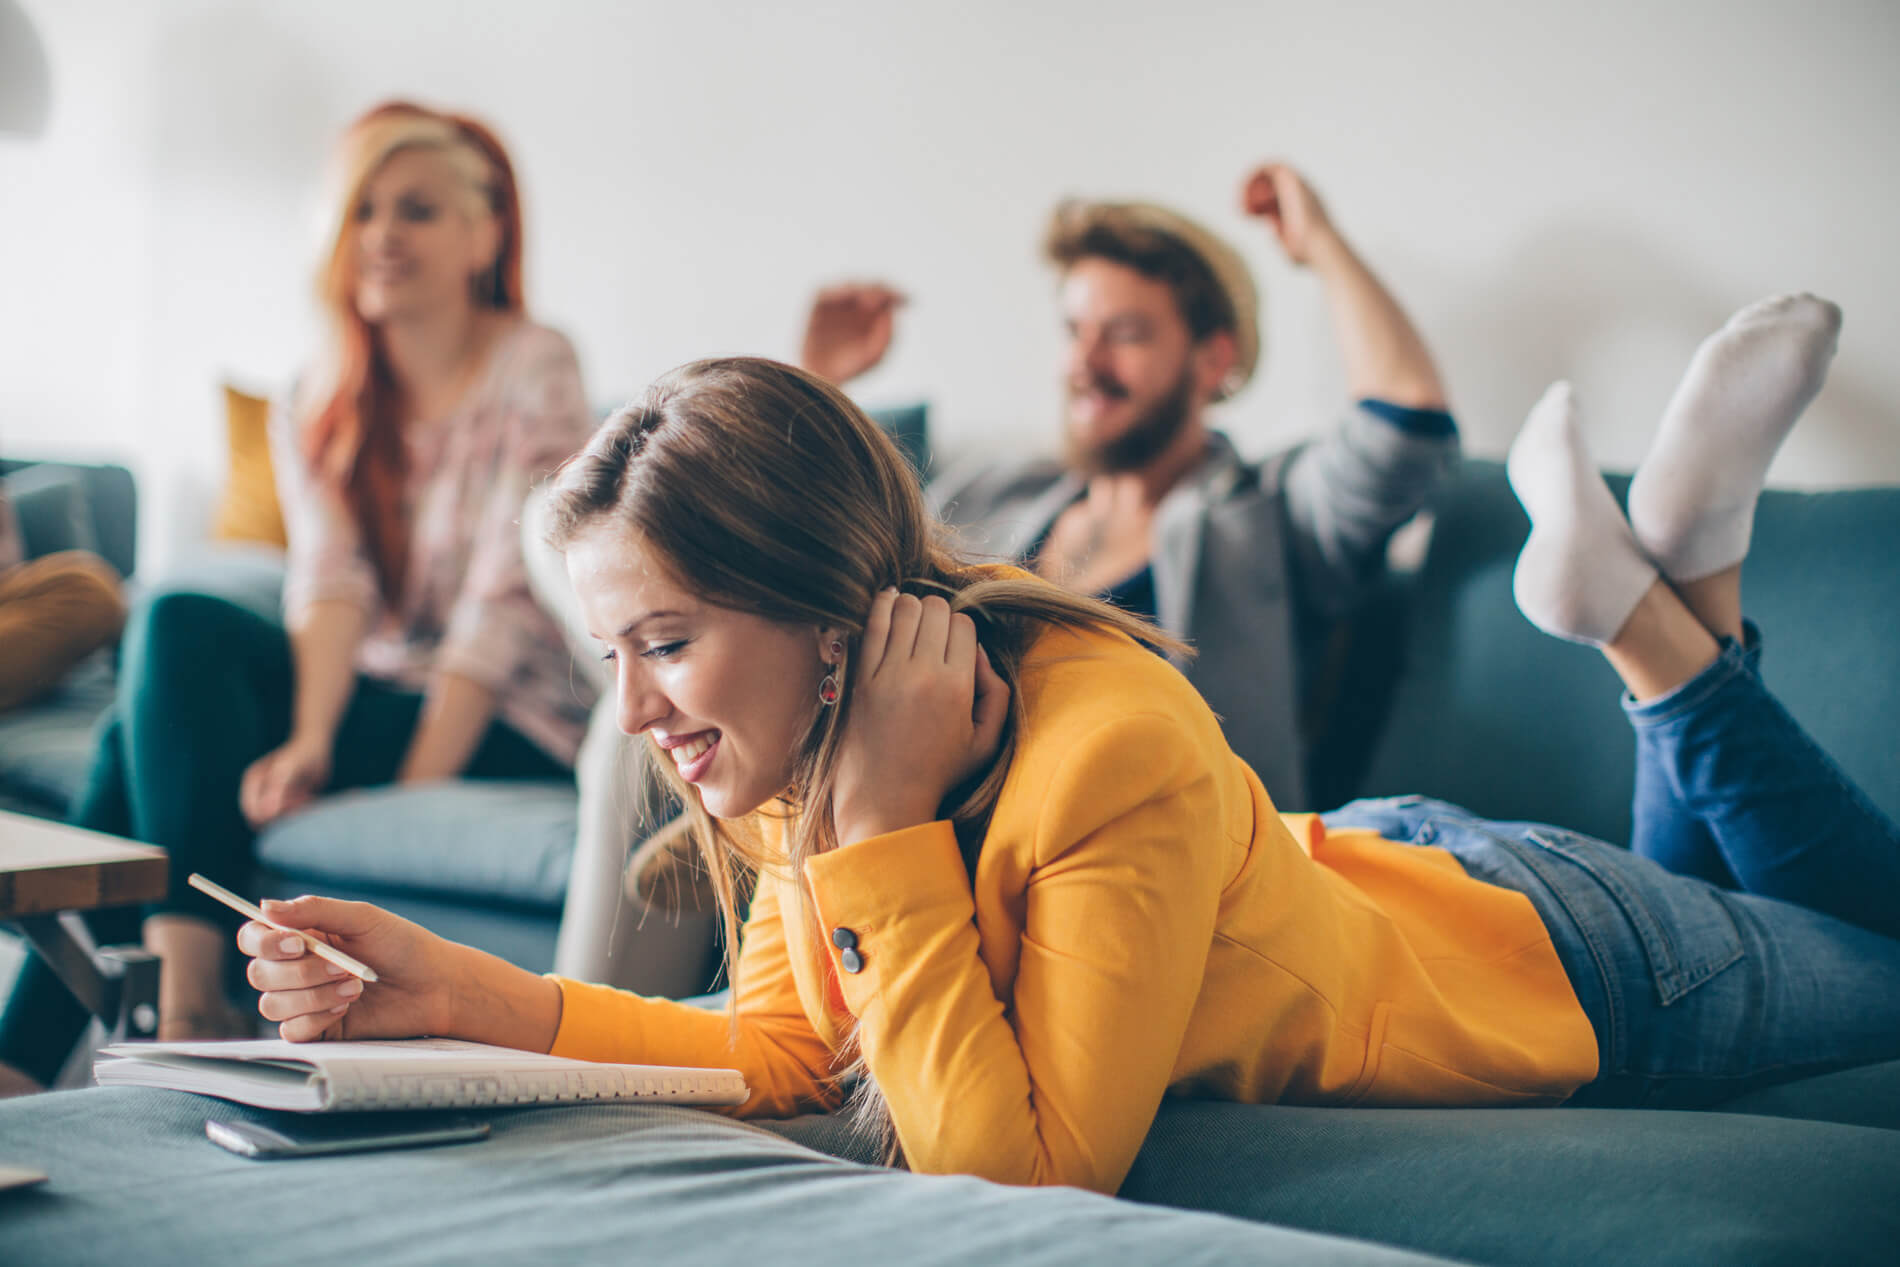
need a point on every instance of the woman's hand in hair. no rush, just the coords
(927, 712)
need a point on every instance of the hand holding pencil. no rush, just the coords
(334, 970)
(323, 949)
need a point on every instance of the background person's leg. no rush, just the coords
(205, 690)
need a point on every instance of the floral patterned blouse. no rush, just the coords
(465, 607)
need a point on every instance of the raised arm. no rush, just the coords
(849, 329)
(1349, 490)
(1385, 357)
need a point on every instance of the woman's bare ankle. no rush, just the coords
(191, 970)
(1716, 601)
(1661, 646)
(17, 1082)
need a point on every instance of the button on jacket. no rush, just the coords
(1141, 922)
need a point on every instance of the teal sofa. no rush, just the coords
(1482, 710)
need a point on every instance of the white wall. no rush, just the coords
(1553, 189)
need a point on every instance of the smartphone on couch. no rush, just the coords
(324, 1134)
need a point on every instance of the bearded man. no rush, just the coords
(1259, 565)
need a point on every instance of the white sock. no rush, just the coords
(1692, 502)
(1581, 573)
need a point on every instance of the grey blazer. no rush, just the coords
(1249, 560)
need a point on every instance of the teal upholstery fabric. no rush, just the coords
(46, 749)
(133, 1180)
(1548, 1186)
(79, 507)
(909, 425)
(53, 510)
(1495, 716)
(510, 840)
(1551, 1186)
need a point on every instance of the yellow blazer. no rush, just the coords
(1141, 922)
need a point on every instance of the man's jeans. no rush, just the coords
(1698, 992)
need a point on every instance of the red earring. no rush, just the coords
(828, 689)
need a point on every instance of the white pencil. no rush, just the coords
(322, 949)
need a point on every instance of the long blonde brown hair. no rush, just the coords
(765, 489)
(353, 437)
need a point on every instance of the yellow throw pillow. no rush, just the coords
(249, 510)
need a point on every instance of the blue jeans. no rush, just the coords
(1731, 789)
(1698, 992)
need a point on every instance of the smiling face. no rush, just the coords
(419, 235)
(1134, 375)
(730, 696)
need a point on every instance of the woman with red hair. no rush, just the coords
(411, 648)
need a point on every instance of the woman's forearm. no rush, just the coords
(455, 716)
(493, 1001)
(323, 652)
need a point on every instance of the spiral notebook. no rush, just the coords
(417, 1073)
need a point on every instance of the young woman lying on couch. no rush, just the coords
(1009, 872)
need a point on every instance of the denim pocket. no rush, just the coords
(1686, 930)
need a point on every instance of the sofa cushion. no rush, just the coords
(1582, 1186)
(51, 505)
(246, 573)
(111, 504)
(248, 509)
(133, 1179)
(508, 841)
(1548, 1186)
(46, 748)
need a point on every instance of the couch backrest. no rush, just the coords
(64, 506)
(1491, 714)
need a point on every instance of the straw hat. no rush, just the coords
(1222, 261)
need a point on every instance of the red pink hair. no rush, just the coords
(353, 436)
